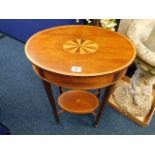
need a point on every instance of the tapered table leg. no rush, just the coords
(98, 93)
(102, 105)
(60, 90)
(49, 93)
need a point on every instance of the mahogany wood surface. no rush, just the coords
(78, 101)
(95, 50)
(49, 93)
(99, 53)
(74, 82)
(80, 57)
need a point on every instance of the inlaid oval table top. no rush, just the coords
(79, 57)
(79, 50)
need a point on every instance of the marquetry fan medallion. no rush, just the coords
(80, 46)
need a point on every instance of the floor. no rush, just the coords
(24, 107)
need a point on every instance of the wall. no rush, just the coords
(22, 29)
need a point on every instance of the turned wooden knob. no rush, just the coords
(78, 102)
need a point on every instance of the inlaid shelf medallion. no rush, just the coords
(80, 46)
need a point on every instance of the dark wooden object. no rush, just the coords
(80, 57)
(49, 93)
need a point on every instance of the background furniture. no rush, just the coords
(80, 57)
(142, 33)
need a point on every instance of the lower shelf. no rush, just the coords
(78, 101)
(143, 121)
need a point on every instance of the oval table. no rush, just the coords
(80, 57)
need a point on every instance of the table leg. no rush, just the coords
(98, 93)
(105, 98)
(49, 93)
(60, 90)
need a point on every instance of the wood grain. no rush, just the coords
(78, 102)
(80, 57)
(111, 51)
(73, 82)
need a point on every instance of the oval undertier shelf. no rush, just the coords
(78, 102)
